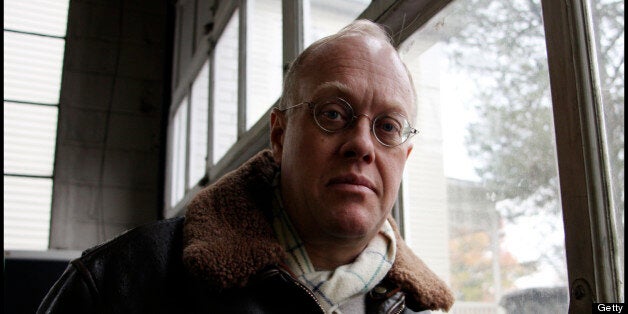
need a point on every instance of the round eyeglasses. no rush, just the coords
(335, 114)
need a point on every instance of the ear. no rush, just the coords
(409, 150)
(277, 131)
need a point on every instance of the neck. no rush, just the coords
(329, 256)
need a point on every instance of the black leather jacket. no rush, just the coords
(221, 258)
(141, 271)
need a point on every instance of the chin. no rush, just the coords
(348, 229)
(352, 221)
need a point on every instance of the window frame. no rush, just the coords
(593, 271)
(37, 32)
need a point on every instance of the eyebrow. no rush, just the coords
(332, 86)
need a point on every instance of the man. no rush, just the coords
(304, 227)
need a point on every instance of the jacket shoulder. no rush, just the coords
(157, 234)
(141, 256)
(143, 264)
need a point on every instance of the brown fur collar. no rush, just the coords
(228, 238)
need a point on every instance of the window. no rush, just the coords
(325, 17)
(264, 64)
(225, 102)
(608, 30)
(482, 179)
(188, 142)
(199, 101)
(33, 55)
(179, 152)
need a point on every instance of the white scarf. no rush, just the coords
(334, 287)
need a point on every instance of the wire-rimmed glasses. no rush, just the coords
(335, 114)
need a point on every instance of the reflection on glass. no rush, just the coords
(225, 100)
(199, 101)
(325, 17)
(482, 179)
(178, 151)
(264, 57)
(608, 28)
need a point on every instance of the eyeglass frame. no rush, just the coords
(312, 105)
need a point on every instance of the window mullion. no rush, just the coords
(292, 12)
(242, 52)
(169, 175)
(188, 139)
(591, 272)
(403, 18)
(210, 111)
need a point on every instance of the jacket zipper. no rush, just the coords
(311, 294)
(401, 308)
(401, 305)
(303, 287)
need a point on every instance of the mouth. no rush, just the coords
(353, 181)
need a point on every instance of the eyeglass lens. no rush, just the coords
(335, 114)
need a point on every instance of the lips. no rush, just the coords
(353, 179)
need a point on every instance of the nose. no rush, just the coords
(359, 143)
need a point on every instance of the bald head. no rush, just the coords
(362, 41)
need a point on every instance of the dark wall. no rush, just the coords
(111, 136)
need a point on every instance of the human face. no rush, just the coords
(343, 185)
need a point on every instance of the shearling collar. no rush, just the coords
(228, 238)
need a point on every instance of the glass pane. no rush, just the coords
(198, 125)
(32, 68)
(48, 17)
(225, 101)
(178, 153)
(264, 57)
(326, 17)
(27, 204)
(29, 138)
(608, 24)
(482, 178)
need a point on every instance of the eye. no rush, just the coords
(388, 125)
(332, 111)
(332, 115)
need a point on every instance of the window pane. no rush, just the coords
(225, 99)
(264, 54)
(32, 68)
(482, 178)
(326, 17)
(608, 20)
(47, 17)
(178, 153)
(29, 138)
(32, 73)
(198, 127)
(26, 213)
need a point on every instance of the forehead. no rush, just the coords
(333, 89)
(361, 69)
